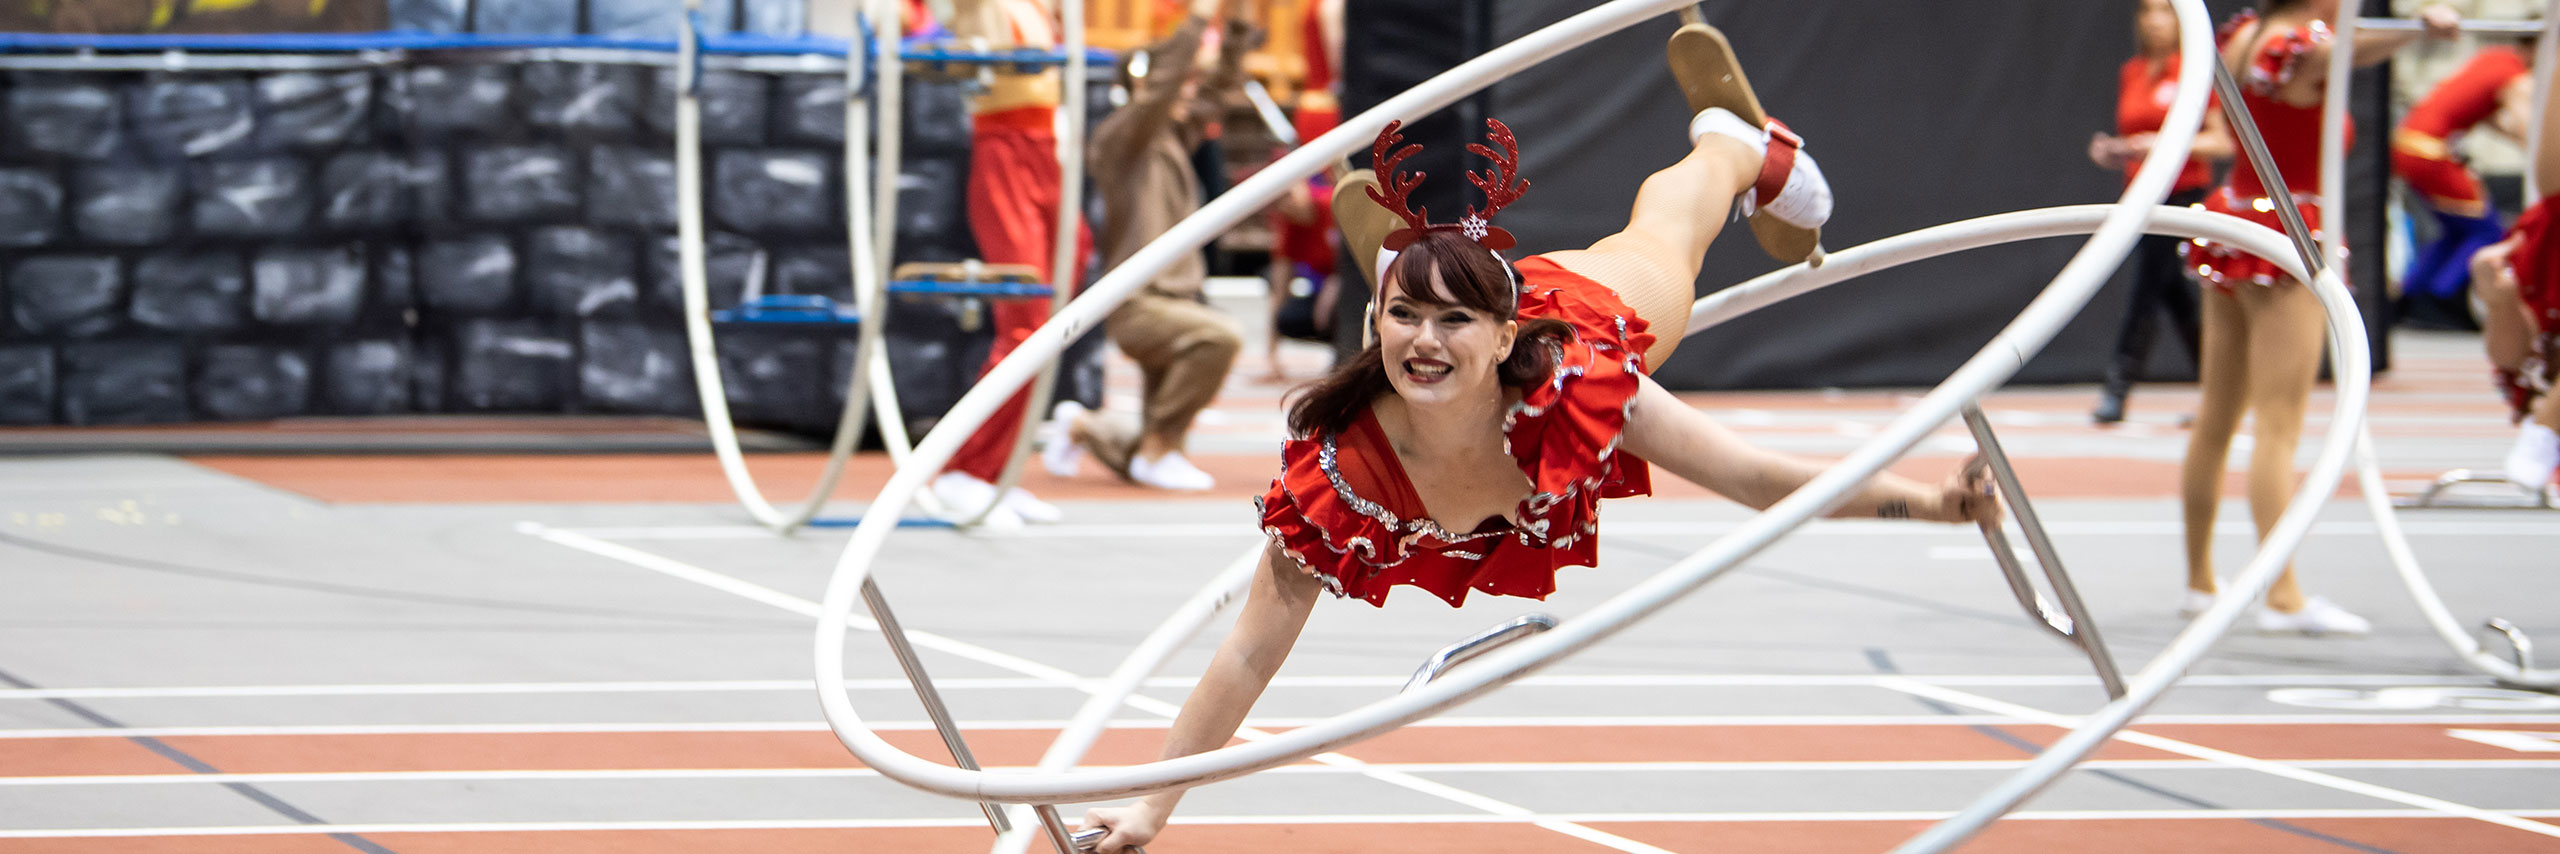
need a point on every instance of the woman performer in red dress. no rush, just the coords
(1468, 446)
(2492, 87)
(2262, 330)
(2143, 90)
(2518, 282)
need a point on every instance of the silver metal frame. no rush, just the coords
(1084, 841)
(2517, 29)
(2546, 498)
(1478, 644)
(2073, 625)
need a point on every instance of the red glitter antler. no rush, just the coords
(1398, 186)
(1501, 185)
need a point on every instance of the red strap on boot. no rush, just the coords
(1776, 164)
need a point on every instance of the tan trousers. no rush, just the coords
(1184, 350)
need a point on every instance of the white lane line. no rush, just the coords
(1817, 528)
(806, 608)
(1864, 766)
(1258, 724)
(785, 601)
(1228, 820)
(2279, 769)
(1007, 683)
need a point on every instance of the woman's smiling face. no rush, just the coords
(1437, 351)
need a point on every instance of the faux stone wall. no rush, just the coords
(446, 237)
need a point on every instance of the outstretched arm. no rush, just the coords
(1667, 433)
(1274, 611)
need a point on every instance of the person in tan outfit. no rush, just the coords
(1141, 162)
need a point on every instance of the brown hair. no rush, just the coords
(1479, 281)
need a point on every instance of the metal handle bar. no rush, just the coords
(2539, 499)
(1479, 644)
(2074, 623)
(1085, 840)
(2517, 643)
(2519, 29)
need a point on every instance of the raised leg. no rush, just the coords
(1653, 262)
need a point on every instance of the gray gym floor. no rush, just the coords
(202, 657)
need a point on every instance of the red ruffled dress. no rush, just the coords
(1344, 509)
(2293, 141)
(2536, 262)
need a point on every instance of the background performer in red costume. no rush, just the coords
(2143, 90)
(2493, 87)
(2518, 284)
(2263, 330)
(1013, 213)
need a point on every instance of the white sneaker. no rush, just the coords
(2317, 617)
(1170, 471)
(962, 496)
(2532, 458)
(1030, 509)
(1059, 453)
(2195, 603)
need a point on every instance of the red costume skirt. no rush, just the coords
(2536, 262)
(2224, 267)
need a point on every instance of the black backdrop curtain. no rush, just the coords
(1921, 113)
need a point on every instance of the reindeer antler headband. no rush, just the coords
(1501, 185)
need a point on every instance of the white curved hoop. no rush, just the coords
(2377, 499)
(690, 253)
(2036, 325)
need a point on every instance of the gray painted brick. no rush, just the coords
(127, 204)
(631, 187)
(460, 99)
(519, 183)
(242, 382)
(190, 291)
(366, 377)
(267, 197)
(364, 190)
(26, 383)
(312, 110)
(471, 275)
(30, 207)
(728, 261)
(123, 382)
(628, 366)
(308, 286)
(812, 110)
(510, 366)
(582, 99)
(766, 192)
(63, 118)
(733, 106)
(193, 116)
(579, 272)
(73, 295)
